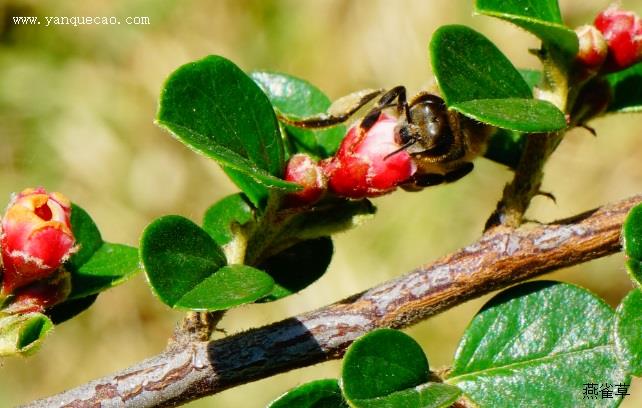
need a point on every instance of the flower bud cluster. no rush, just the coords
(613, 42)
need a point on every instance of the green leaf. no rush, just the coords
(468, 66)
(87, 236)
(536, 344)
(230, 286)
(97, 265)
(110, 265)
(541, 17)
(178, 255)
(295, 98)
(217, 110)
(532, 77)
(330, 217)
(427, 395)
(256, 192)
(23, 333)
(632, 233)
(506, 147)
(382, 362)
(628, 332)
(70, 308)
(626, 89)
(520, 115)
(542, 10)
(220, 219)
(298, 266)
(634, 269)
(315, 394)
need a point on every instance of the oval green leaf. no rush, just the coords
(626, 90)
(217, 110)
(298, 266)
(315, 394)
(97, 265)
(295, 98)
(427, 395)
(87, 236)
(256, 192)
(177, 256)
(520, 115)
(542, 18)
(536, 344)
(632, 233)
(333, 216)
(532, 77)
(64, 311)
(382, 362)
(628, 332)
(634, 269)
(506, 147)
(22, 334)
(468, 66)
(110, 265)
(219, 219)
(230, 286)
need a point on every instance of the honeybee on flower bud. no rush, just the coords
(398, 143)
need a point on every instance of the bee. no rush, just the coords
(442, 143)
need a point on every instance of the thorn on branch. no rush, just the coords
(590, 129)
(547, 195)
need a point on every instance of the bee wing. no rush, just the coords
(340, 110)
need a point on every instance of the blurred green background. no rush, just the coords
(77, 106)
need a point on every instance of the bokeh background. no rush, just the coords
(77, 106)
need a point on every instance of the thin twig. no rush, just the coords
(195, 327)
(500, 258)
(526, 183)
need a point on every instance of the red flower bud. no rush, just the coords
(366, 164)
(303, 170)
(592, 46)
(622, 31)
(36, 237)
(40, 295)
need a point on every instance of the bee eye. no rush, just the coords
(435, 126)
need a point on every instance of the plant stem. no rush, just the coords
(526, 182)
(195, 327)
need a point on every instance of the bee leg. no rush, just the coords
(459, 172)
(387, 100)
(419, 181)
(339, 111)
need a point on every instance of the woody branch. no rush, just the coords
(501, 257)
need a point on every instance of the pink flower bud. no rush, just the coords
(36, 237)
(301, 169)
(592, 46)
(366, 164)
(622, 31)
